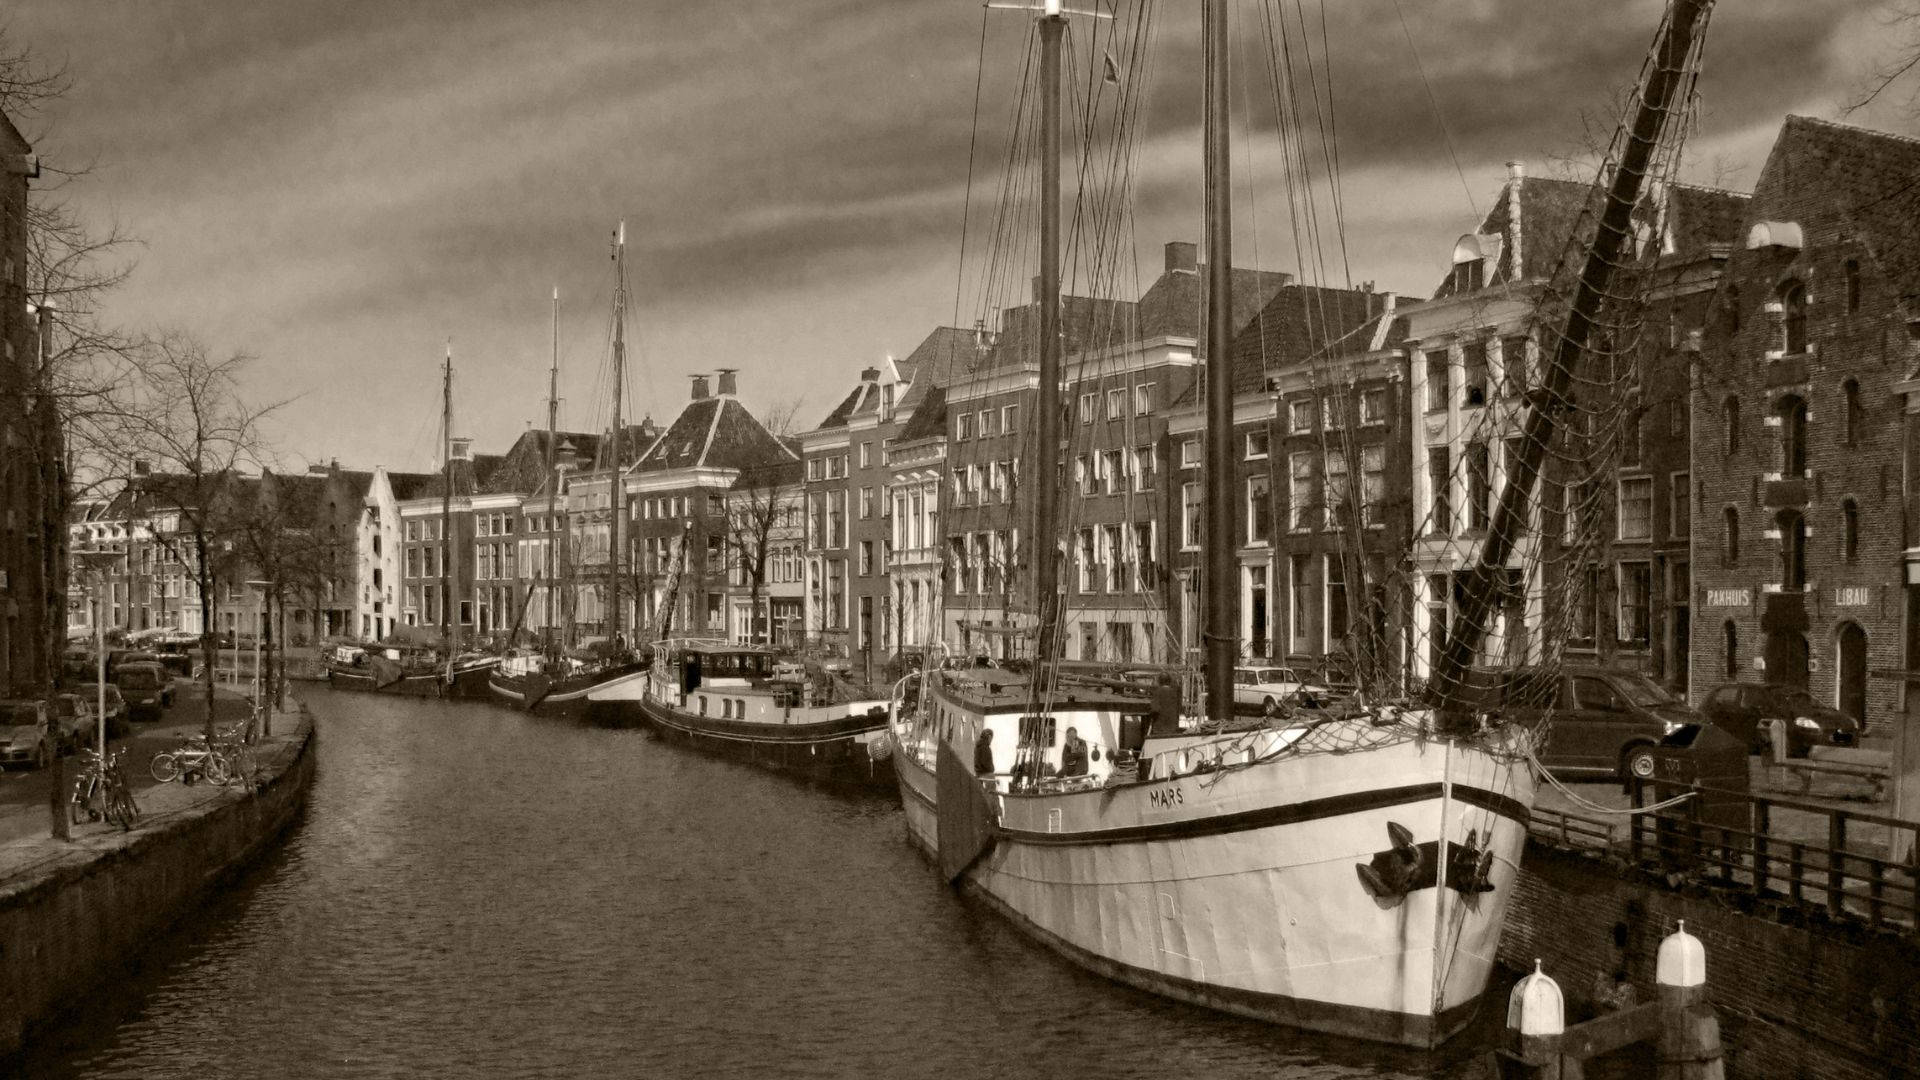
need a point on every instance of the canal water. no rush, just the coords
(478, 893)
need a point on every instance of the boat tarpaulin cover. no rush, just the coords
(966, 815)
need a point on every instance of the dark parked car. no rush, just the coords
(23, 734)
(1596, 720)
(147, 686)
(1746, 709)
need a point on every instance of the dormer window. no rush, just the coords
(1793, 319)
(1470, 257)
(1469, 276)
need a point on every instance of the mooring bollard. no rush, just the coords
(1689, 1031)
(1681, 1024)
(1536, 1027)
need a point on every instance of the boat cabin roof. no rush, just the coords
(996, 689)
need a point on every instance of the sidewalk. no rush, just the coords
(26, 843)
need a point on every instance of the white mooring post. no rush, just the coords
(1689, 1030)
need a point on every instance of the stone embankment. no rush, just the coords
(72, 915)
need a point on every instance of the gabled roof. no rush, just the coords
(523, 468)
(1557, 215)
(715, 432)
(929, 417)
(1866, 183)
(1085, 323)
(1175, 305)
(1304, 324)
(411, 485)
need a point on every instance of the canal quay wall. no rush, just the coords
(72, 916)
(1821, 1000)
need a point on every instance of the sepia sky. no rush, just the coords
(339, 188)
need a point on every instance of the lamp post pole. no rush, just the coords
(259, 590)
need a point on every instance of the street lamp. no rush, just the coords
(259, 600)
(96, 561)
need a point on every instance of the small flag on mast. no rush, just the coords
(1112, 69)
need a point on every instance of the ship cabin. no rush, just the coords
(751, 683)
(1028, 746)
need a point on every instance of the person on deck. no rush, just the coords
(1073, 754)
(983, 753)
(1166, 707)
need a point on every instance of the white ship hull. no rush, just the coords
(1238, 888)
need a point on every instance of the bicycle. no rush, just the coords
(106, 785)
(190, 761)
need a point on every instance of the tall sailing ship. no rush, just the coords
(556, 680)
(412, 668)
(1342, 869)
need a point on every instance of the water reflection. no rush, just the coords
(476, 893)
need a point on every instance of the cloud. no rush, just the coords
(339, 188)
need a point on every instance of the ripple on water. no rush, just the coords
(479, 893)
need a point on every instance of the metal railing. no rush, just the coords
(1808, 858)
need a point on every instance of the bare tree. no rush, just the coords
(185, 415)
(760, 507)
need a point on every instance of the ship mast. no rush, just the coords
(1666, 77)
(1222, 622)
(615, 498)
(553, 475)
(1046, 593)
(446, 504)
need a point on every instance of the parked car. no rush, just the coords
(116, 706)
(1746, 710)
(1595, 720)
(24, 738)
(147, 686)
(73, 717)
(1274, 688)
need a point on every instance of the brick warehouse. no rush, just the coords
(1798, 426)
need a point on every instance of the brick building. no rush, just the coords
(917, 471)
(32, 588)
(1616, 502)
(1805, 374)
(1318, 375)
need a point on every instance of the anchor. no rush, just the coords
(1398, 870)
(1470, 867)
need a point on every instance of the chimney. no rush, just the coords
(700, 387)
(462, 448)
(1183, 255)
(1516, 171)
(140, 467)
(870, 375)
(728, 388)
(1516, 250)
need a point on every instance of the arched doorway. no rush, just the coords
(1851, 645)
(1787, 658)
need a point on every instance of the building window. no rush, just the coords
(1852, 272)
(1143, 468)
(1636, 604)
(1009, 418)
(1259, 510)
(963, 427)
(1300, 500)
(1332, 415)
(1143, 399)
(1730, 649)
(1300, 614)
(1373, 406)
(1083, 474)
(1850, 531)
(1515, 372)
(1336, 587)
(1850, 414)
(1190, 509)
(1636, 508)
(1300, 416)
(1473, 357)
(1584, 608)
(1144, 573)
(1439, 481)
(866, 557)
(1793, 550)
(1793, 319)
(1680, 490)
(1793, 436)
(1479, 486)
(1373, 484)
(1114, 558)
(984, 416)
(1437, 388)
(1190, 454)
(1086, 408)
(1730, 410)
(1335, 479)
(1089, 560)
(1730, 550)
(1116, 403)
(1112, 464)
(1257, 445)
(866, 449)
